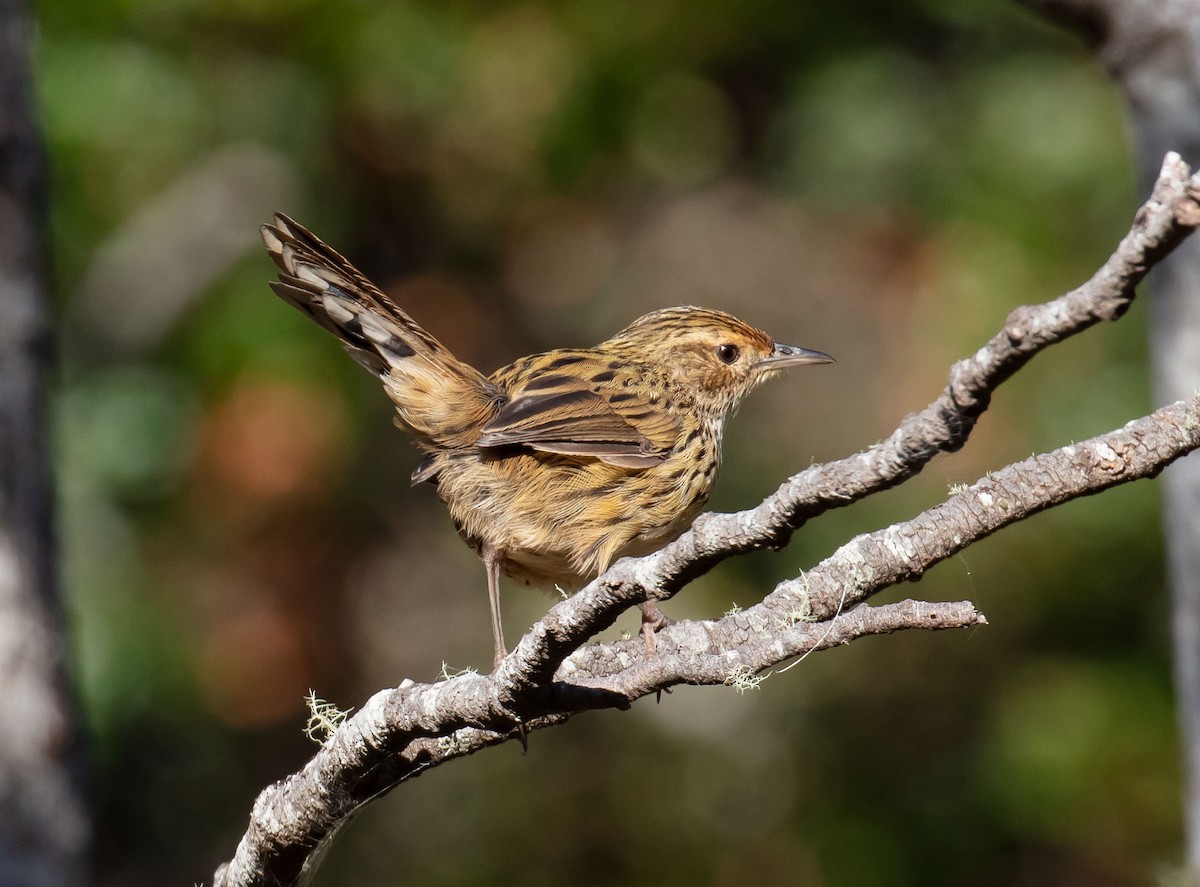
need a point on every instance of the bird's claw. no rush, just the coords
(653, 621)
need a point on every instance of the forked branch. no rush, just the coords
(552, 675)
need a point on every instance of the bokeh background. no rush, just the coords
(880, 180)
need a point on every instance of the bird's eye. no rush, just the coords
(727, 353)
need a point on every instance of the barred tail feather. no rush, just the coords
(438, 397)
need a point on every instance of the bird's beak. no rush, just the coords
(793, 356)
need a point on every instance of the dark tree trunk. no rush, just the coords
(45, 831)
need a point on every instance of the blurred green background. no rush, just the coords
(882, 181)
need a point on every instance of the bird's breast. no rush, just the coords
(562, 519)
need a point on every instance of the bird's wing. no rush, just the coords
(438, 397)
(570, 413)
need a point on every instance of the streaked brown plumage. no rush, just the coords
(560, 463)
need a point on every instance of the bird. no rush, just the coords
(562, 462)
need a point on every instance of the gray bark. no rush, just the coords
(1152, 50)
(1162, 82)
(44, 826)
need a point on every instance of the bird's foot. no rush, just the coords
(653, 621)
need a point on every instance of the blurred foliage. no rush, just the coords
(883, 181)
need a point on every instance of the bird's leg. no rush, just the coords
(653, 621)
(491, 560)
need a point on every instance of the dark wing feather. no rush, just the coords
(567, 414)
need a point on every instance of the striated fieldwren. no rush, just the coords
(558, 464)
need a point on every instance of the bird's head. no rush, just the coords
(717, 357)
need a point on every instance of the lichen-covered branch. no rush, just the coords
(796, 616)
(551, 675)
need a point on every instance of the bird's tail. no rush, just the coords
(439, 398)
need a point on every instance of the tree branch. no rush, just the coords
(551, 675)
